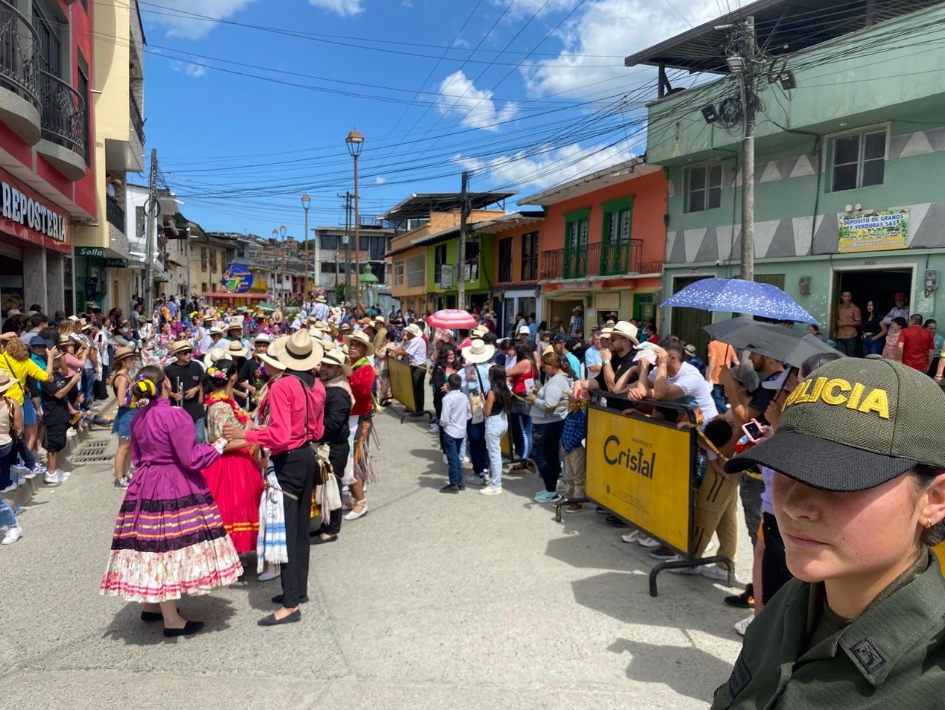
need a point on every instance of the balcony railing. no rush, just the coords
(596, 260)
(136, 120)
(65, 115)
(115, 214)
(19, 54)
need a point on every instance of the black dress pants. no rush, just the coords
(295, 472)
(418, 375)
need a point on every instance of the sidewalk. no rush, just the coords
(24, 495)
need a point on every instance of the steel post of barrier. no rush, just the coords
(634, 469)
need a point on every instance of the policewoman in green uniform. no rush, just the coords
(859, 496)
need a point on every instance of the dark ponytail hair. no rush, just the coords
(147, 385)
(219, 373)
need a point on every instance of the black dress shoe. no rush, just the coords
(271, 620)
(319, 540)
(190, 628)
(451, 488)
(461, 487)
(616, 522)
(278, 599)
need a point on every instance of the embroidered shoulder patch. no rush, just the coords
(868, 656)
(740, 678)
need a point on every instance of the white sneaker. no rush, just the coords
(467, 465)
(718, 574)
(13, 534)
(52, 479)
(267, 576)
(445, 460)
(647, 542)
(490, 491)
(63, 474)
(12, 487)
(38, 469)
(686, 570)
(742, 626)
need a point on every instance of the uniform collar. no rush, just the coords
(890, 626)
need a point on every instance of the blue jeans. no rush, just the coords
(873, 347)
(718, 396)
(88, 379)
(6, 459)
(476, 445)
(201, 426)
(546, 453)
(495, 429)
(522, 434)
(7, 519)
(452, 445)
(24, 451)
(848, 346)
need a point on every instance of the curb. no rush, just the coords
(25, 493)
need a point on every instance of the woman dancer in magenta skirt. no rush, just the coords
(169, 539)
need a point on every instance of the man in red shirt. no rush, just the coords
(916, 345)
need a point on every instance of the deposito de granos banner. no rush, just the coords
(640, 469)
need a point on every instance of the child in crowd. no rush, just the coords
(575, 456)
(454, 416)
(58, 398)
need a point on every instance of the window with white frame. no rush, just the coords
(703, 188)
(416, 271)
(858, 160)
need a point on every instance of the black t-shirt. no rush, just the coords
(55, 410)
(620, 365)
(761, 398)
(185, 378)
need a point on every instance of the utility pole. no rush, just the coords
(750, 55)
(463, 215)
(347, 244)
(149, 236)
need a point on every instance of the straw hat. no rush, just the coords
(627, 330)
(124, 352)
(214, 355)
(236, 349)
(414, 330)
(479, 331)
(338, 359)
(363, 339)
(380, 319)
(316, 333)
(216, 331)
(479, 352)
(180, 346)
(277, 317)
(263, 338)
(17, 312)
(269, 360)
(235, 326)
(6, 382)
(320, 299)
(298, 351)
(345, 326)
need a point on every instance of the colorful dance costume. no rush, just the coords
(235, 479)
(169, 539)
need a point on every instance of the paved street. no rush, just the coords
(430, 601)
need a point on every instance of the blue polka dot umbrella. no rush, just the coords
(738, 296)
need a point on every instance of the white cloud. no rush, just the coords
(460, 96)
(530, 7)
(642, 24)
(380, 180)
(552, 165)
(187, 26)
(195, 71)
(344, 8)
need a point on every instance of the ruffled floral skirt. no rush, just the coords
(169, 540)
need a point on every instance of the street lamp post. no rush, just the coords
(355, 142)
(306, 202)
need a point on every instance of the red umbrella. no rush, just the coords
(452, 318)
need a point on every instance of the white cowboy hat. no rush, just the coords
(216, 331)
(380, 319)
(414, 330)
(338, 359)
(236, 349)
(479, 331)
(214, 355)
(267, 359)
(361, 338)
(320, 299)
(316, 333)
(627, 330)
(479, 352)
(298, 351)
(6, 382)
(263, 338)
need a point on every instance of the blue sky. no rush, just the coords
(524, 93)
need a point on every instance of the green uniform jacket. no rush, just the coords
(892, 656)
